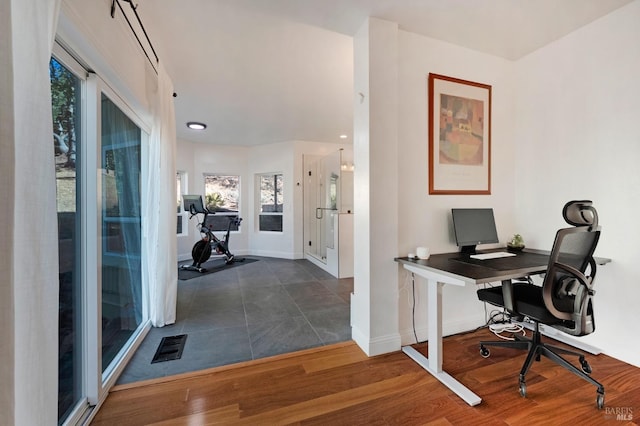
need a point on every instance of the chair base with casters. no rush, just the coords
(536, 348)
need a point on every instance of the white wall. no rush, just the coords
(564, 127)
(423, 219)
(374, 310)
(405, 214)
(391, 71)
(577, 110)
(275, 158)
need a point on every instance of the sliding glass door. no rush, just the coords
(98, 146)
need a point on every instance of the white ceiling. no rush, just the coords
(263, 71)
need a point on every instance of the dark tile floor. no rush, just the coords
(255, 310)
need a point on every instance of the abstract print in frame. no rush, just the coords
(459, 136)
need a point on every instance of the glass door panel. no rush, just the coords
(66, 91)
(323, 201)
(120, 176)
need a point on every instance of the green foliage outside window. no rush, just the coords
(214, 200)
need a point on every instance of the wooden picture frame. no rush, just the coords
(459, 136)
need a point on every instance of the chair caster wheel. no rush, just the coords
(600, 400)
(484, 352)
(523, 389)
(585, 365)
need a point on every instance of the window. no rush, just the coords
(181, 187)
(271, 202)
(222, 197)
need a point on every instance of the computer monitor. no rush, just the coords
(473, 227)
(193, 204)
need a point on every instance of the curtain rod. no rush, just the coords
(113, 13)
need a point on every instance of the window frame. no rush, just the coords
(182, 215)
(259, 205)
(81, 405)
(234, 228)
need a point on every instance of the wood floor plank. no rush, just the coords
(219, 416)
(333, 360)
(314, 407)
(262, 364)
(424, 401)
(340, 379)
(340, 385)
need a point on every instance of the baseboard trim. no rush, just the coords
(449, 328)
(277, 254)
(377, 345)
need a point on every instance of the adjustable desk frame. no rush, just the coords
(441, 269)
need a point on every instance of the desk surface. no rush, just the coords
(527, 262)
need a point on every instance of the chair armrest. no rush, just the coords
(580, 278)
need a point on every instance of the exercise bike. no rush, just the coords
(203, 248)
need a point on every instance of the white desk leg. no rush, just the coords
(434, 326)
(433, 364)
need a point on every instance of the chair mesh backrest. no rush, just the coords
(570, 264)
(577, 247)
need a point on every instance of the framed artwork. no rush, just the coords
(459, 136)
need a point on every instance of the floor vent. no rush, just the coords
(170, 348)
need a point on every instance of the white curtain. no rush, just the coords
(120, 144)
(29, 242)
(160, 207)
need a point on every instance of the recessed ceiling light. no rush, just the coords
(343, 136)
(196, 126)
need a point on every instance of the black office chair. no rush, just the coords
(564, 301)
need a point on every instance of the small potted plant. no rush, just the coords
(516, 243)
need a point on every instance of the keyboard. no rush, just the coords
(494, 255)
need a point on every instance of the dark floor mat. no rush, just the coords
(170, 348)
(211, 266)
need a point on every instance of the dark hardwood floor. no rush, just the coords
(340, 385)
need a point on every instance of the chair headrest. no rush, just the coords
(580, 213)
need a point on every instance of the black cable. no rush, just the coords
(492, 320)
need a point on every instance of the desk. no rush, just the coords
(441, 269)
